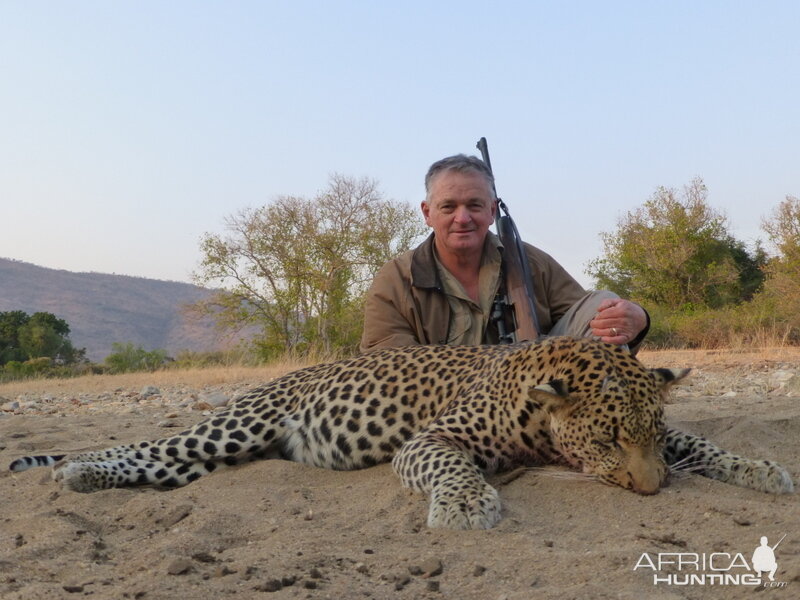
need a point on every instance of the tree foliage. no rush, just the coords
(782, 287)
(24, 337)
(127, 358)
(783, 231)
(675, 251)
(298, 268)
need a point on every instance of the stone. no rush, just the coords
(431, 567)
(176, 515)
(179, 566)
(215, 399)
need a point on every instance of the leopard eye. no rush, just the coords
(605, 444)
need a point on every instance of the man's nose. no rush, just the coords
(462, 215)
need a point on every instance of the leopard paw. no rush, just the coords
(469, 508)
(79, 477)
(767, 476)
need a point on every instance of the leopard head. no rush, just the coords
(607, 416)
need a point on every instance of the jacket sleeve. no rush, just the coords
(555, 289)
(387, 312)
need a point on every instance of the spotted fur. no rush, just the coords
(445, 416)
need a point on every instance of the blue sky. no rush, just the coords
(128, 129)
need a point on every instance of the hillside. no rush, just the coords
(102, 309)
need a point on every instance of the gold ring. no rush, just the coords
(614, 330)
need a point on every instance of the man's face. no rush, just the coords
(460, 210)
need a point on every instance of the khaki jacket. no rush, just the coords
(406, 305)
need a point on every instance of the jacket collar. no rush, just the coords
(424, 273)
(423, 266)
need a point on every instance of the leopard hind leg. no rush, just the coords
(242, 433)
(685, 451)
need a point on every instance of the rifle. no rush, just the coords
(515, 306)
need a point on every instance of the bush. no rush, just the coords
(757, 323)
(126, 358)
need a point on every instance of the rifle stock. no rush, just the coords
(518, 279)
(517, 287)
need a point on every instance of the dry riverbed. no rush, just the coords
(281, 530)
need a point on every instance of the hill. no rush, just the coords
(102, 309)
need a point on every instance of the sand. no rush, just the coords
(276, 529)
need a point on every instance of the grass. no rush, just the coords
(192, 377)
(221, 375)
(720, 357)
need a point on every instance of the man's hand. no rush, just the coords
(618, 321)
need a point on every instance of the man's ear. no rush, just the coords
(552, 396)
(426, 211)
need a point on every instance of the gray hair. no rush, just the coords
(460, 163)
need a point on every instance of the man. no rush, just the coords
(442, 292)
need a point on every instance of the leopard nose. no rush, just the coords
(647, 476)
(647, 488)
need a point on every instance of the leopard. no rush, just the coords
(447, 417)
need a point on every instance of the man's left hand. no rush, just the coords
(618, 321)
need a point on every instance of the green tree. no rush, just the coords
(10, 322)
(126, 358)
(782, 287)
(24, 337)
(783, 231)
(675, 251)
(298, 268)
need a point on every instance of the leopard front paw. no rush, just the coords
(454, 507)
(767, 476)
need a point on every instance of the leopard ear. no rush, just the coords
(552, 396)
(665, 378)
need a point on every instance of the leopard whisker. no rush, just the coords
(559, 474)
(687, 461)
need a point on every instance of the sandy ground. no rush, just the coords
(282, 530)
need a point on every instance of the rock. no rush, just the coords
(479, 570)
(431, 567)
(10, 406)
(203, 557)
(792, 386)
(177, 514)
(73, 589)
(149, 390)
(215, 399)
(271, 585)
(179, 566)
